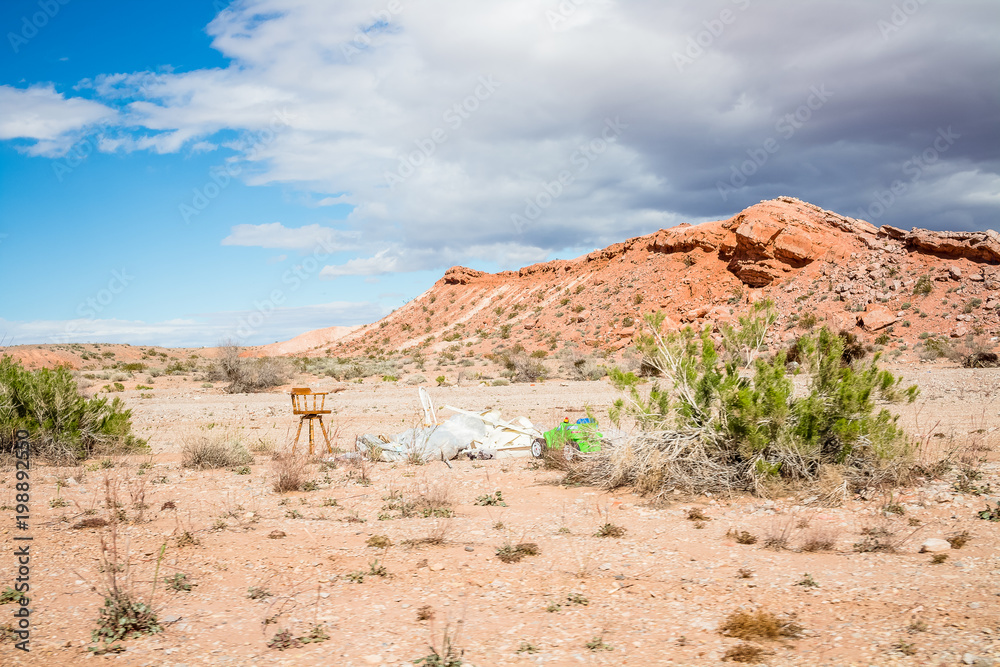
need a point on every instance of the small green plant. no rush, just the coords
(527, 647)
(553, 607)
(379, 542)
(971, 305)
(577, 598)
(10, 595)
(923, 286)
(284, 639)
(610, 530)
(310, 485)
(293, 514)
(807, 581)
(258, 593)
(494, 499)
(329, 502)
(509, 553)
(357, 577)
(440, 379)
(449, 654)
(178, 582)
(937, 559)
(598, 644)
(121, 617)
(990, 514)
(58, 502)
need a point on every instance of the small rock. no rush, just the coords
(977, 277)
(277, 534)
(171, 619)
(436, 567)
(373, 659)
(956, 274)
(470, 549)
(975, 605)
(605, 566)
(969, 659)
(934, 544)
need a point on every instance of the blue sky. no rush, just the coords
(167, 169)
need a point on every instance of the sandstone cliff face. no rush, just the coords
(812, 262)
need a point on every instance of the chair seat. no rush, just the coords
(312, 412)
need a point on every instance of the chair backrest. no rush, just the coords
(301, 404)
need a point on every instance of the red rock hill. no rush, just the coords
(844, 272)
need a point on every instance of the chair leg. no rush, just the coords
(297, 433)
(329, 449)
(311, 438)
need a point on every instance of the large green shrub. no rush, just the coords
(744, 409)
(63, 423)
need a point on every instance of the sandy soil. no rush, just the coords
(655, 596)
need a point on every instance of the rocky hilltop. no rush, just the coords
(819, 267)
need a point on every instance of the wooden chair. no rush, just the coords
(310, 405)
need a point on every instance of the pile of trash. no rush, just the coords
(484, 435)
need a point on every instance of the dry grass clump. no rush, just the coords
(758, 624)
(883, 537)
(779, 534)
(437, 536)
(959, 540)
(820, 538)
(246, 374)
(744, 653)
(379, 542)
(696, 514)
(741, 536)
(289, 472)
(205, 451)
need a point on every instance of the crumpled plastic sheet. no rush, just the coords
(427, 443)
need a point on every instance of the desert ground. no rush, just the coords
(385, 583)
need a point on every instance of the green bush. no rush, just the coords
(741, 408)
(63, 423)
(923, 286)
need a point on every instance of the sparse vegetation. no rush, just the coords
(610, 530)
(509, 553)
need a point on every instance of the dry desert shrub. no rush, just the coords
(758, 624)
(289, 472)
(741, 536)
(204, 451)
(779, 534)
(820, 538)
(744, 653)
(246, 374)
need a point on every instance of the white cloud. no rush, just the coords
(276, 235)
(42, 114)
(446, 119)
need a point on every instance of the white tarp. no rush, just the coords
(482, 435)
